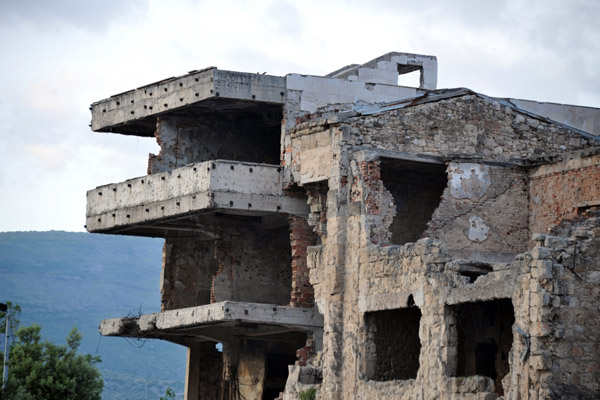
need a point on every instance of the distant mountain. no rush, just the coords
(61, 279)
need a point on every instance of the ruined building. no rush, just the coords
(366, 239)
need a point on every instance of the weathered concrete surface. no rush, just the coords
(385, 69)
(134, 112)
(238, 136)
(178, 325)
(422, 211)
(244, 188)
(314, 92)
(585, 118)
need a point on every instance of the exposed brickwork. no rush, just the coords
(307, 352)
(561, 191)
(371, 174)
(301, 236)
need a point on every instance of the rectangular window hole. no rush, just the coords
(393, 344)
(485, 337)
(410, 78)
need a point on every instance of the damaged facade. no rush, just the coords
(366, 239)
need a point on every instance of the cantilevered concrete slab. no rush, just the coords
(134, 112)
(219, 322)
(160, 204)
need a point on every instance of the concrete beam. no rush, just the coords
(227, 186)
(134, 112)
(176, 325)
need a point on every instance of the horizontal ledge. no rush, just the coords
(227, 315)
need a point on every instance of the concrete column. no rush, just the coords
(192, 377)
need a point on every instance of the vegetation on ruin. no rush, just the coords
(43, 370)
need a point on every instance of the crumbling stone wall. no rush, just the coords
(478, 255)
(562, 190)
(565, 343)
(465, 126)
(482, 213)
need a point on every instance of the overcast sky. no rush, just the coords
(59, 56)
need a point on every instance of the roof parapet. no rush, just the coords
(386, 68)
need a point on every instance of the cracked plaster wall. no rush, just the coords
(483, 213)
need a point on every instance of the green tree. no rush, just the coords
(15, 312)
(169, 394)
(42, 370)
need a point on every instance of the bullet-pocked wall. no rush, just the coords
(244, 263)
(254, 266)
(238, 136)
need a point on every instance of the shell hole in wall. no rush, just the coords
(417, 189)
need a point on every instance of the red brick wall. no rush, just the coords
(301, 236)
(558, 190)
(307, 352)
(371, 173)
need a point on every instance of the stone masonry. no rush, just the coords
(363, 240)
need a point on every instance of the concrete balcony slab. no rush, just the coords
(181, 200)
(219, 322)
(134, 112)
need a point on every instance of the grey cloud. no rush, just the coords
(87, 15)
(286, 18)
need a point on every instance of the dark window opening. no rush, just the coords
(276, 374)
(417, 189)
(393, 343)
(470, 269)
(484, 331)
(242, 131)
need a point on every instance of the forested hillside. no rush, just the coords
(62, 279)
